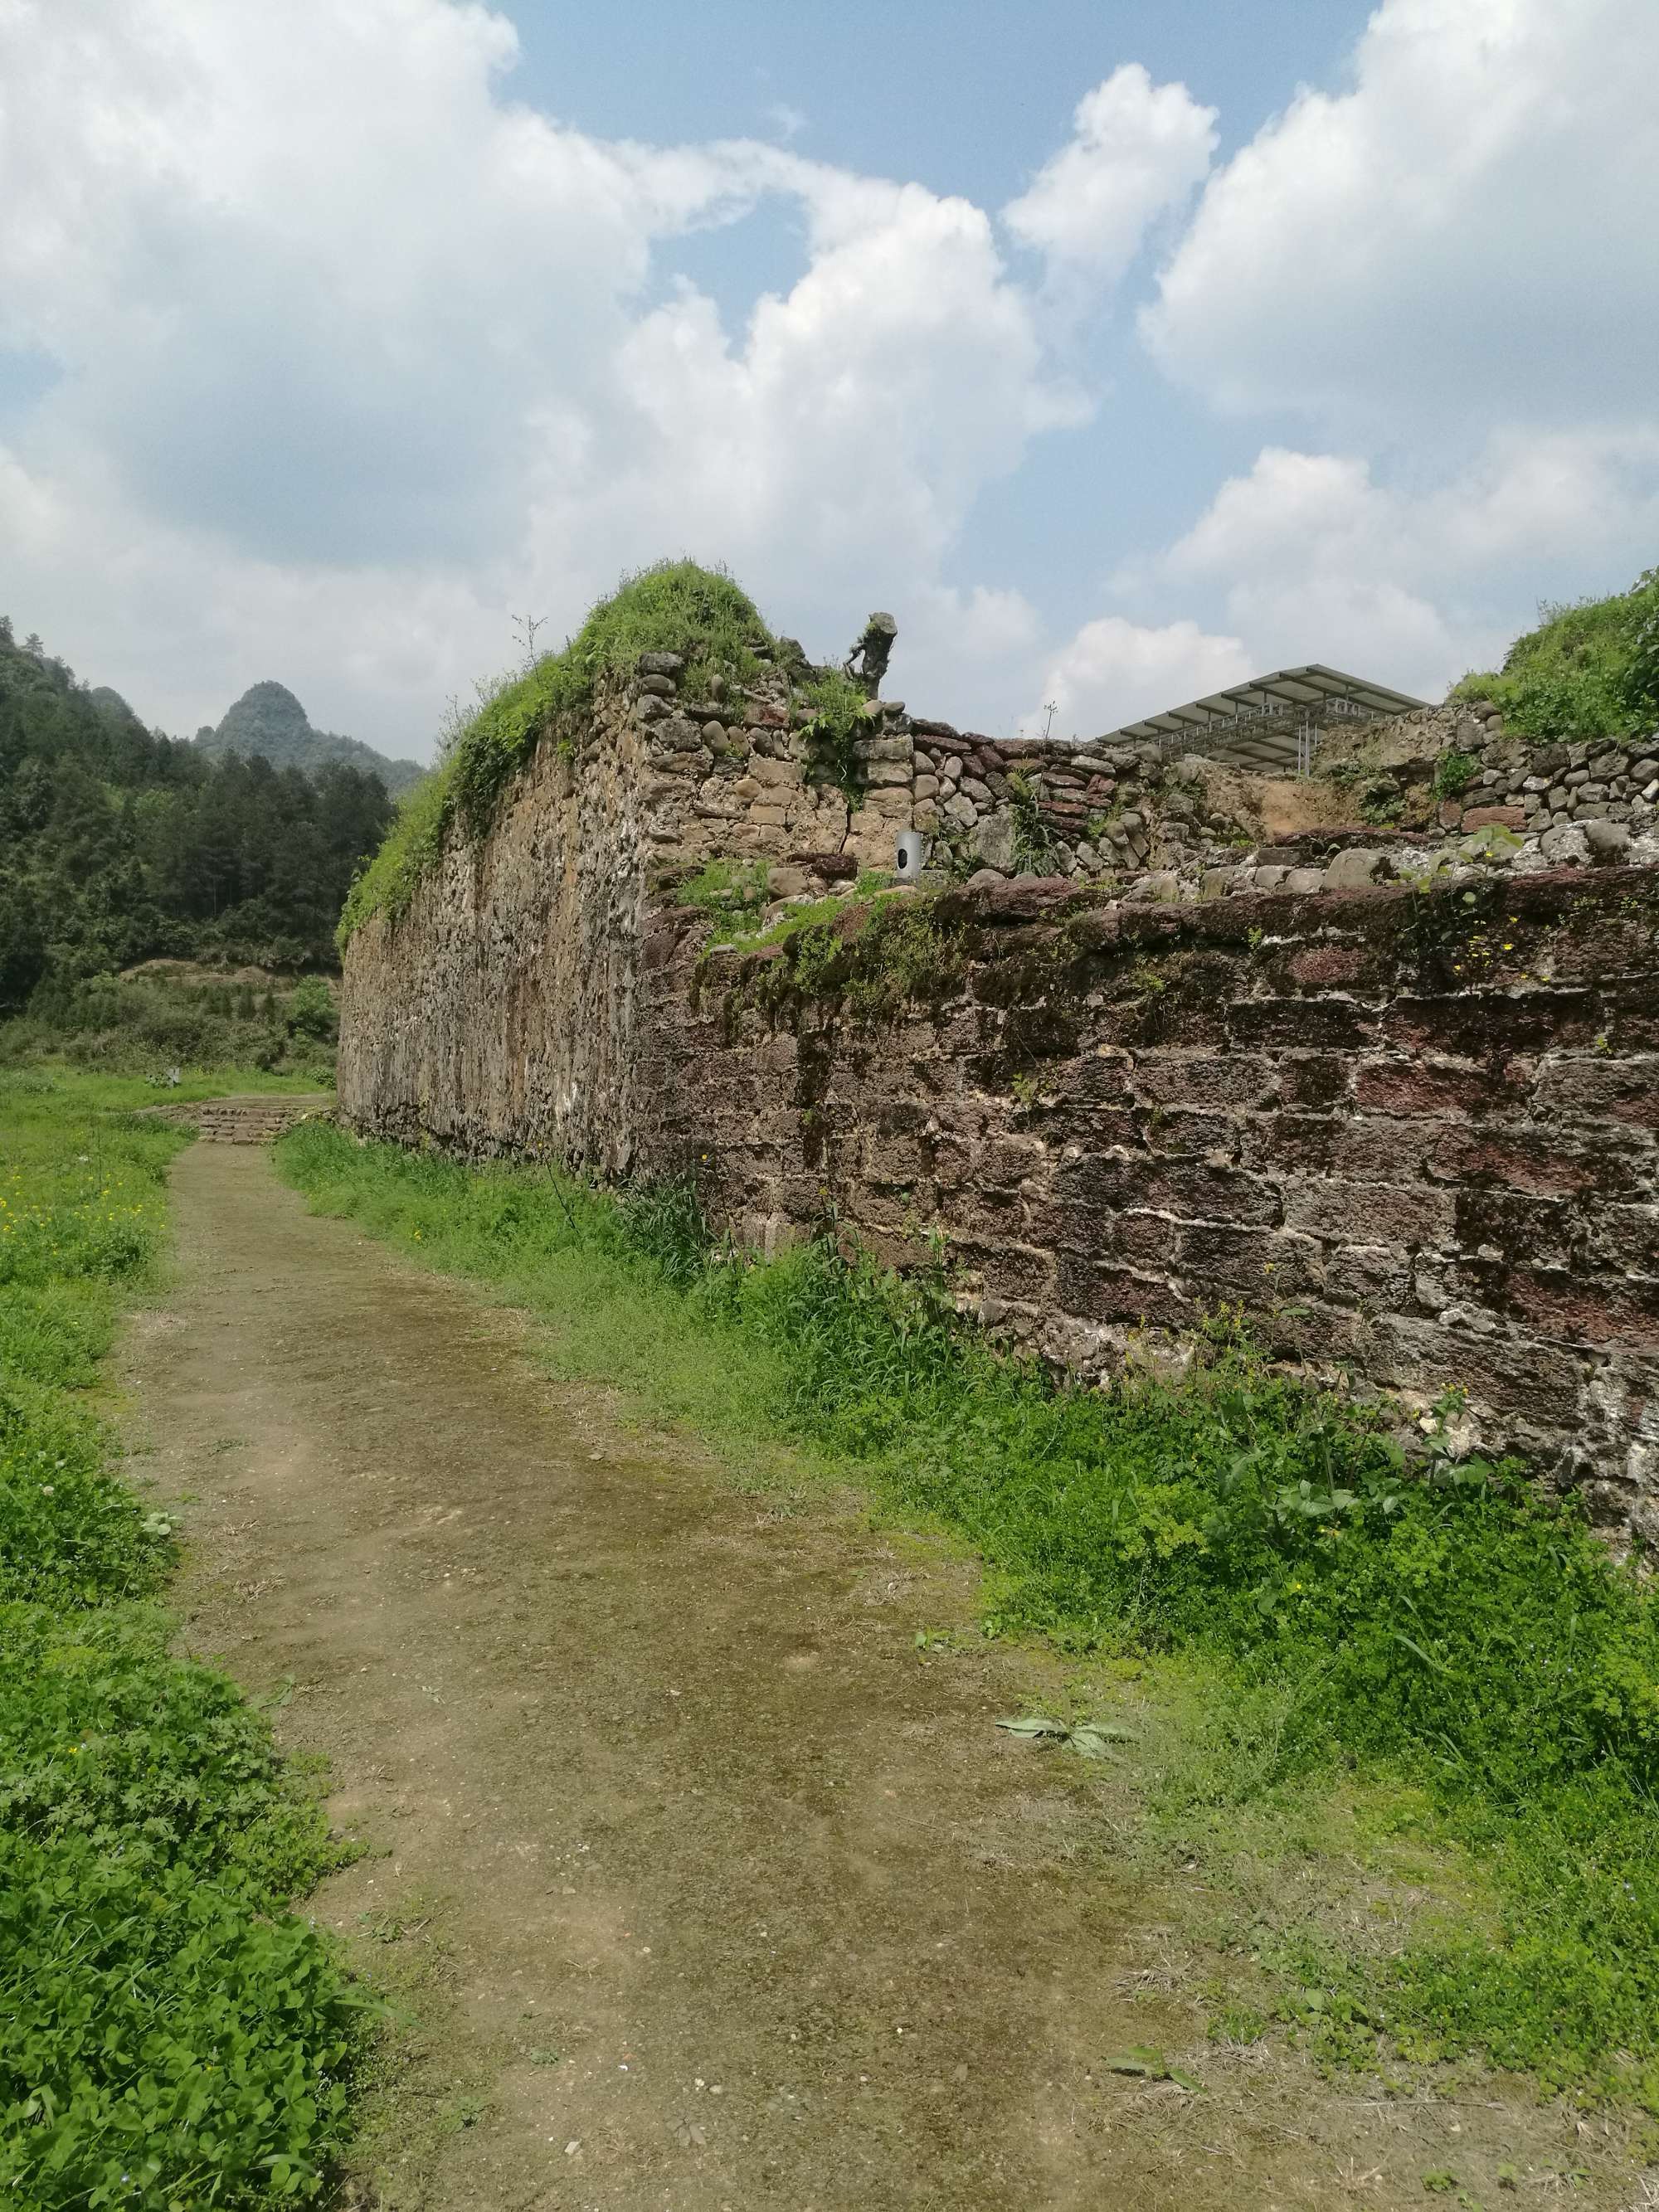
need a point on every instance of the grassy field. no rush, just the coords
(170, 2035)
(1419, 1679)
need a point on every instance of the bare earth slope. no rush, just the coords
(704, 1889)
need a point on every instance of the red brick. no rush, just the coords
(1507, 818)
(1415, 1086)
(1332, 967)
(1523, 1159)
(1556, 1304)
(1484, 1024)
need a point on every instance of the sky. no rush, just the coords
(1120, 349)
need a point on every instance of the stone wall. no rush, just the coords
(1411, 1130)
(500, 1009)
(1414, 1138)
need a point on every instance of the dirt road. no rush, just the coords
(702, 1887)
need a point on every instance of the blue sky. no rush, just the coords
(1121, 350)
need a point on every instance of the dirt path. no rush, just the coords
(704, 1890)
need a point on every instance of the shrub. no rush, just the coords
(1587, 671)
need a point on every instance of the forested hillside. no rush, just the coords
(119, 845)
(268, 719)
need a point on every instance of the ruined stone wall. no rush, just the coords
(1412, 1135)
(1411, 1130)
(500, 1011)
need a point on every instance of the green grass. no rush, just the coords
(1436, 1640)
(169, 2033)
(1587, 671)
(674, 607)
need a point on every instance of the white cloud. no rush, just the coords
(1137, 150)
(1315, 560)
(341, 329)
(1115, 671)
(1465, 236)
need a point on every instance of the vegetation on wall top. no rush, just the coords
(1590, 670)
(674, 606)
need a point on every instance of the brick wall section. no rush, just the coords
(1415, 1135)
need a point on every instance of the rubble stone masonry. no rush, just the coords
(1412, 1133)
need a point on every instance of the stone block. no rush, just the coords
(1236, 1080)
(1355, 868)
(1602, 1089)
(1371, 1212)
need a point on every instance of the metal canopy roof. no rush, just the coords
(1235, 719)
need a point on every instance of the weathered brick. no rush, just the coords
(1371, 1214)
(1614, 1089)
(1004, 1163)
(1314, 1080)
(1486, 1024)
(1374, 1278)
(1553, 1302)
(1190, 1189)
(1541, 1231)
(1255, 1265)
(1521, 1376)
(1415, 1086)
(1323, 1023)
(1174, 1078)
(1625, 1237)
(1528, 1159)
(1184, 1129)
(1103, 1293)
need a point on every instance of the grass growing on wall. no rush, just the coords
(674, 607)
(1587, 671)
(169, 2033)
(1439, 1636)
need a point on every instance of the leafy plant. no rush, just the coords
(1033, 846)
(838, 722)
(732, 892)
(1453, 773)
(1588, 670)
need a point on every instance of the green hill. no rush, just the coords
(119, 845)
(269, 721)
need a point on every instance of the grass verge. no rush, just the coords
(170, 2035)
(1432, 1643)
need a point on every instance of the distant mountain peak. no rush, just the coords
(268, 719)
